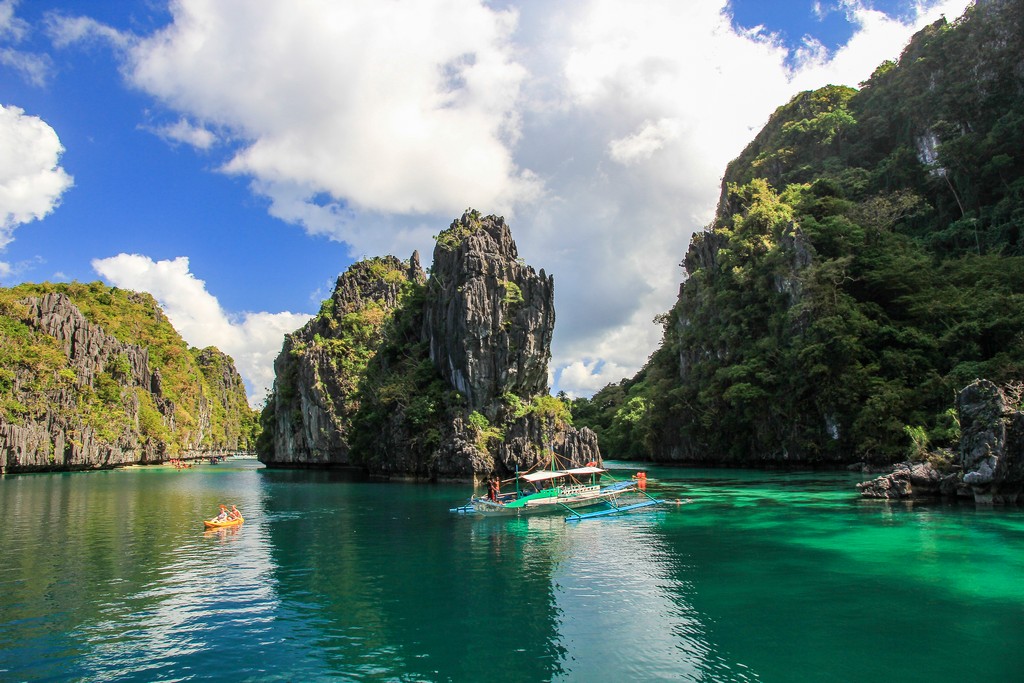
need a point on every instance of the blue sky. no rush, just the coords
(234, 156)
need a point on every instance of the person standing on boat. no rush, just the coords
(493, 484)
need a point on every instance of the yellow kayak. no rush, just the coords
(214, 524)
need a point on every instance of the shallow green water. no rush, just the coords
(758, 577)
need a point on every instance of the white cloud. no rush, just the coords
(402, 108)
(877, 37)
(34, 68)
(188, 133)
(585, 376)
(64, 31)
(604, 127)
(660, 97)
(641, 145)
(253, 340)
(31, 180)
(16, 271)
(11, 27)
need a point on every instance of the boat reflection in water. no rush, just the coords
(607, 581)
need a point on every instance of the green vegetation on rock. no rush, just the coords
(444, 377)
(451, 237)
(865, 263)
(122, 378)
(401, 385)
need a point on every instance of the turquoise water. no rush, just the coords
(758, 577)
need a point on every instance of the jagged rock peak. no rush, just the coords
(377, 279)
(489, 317)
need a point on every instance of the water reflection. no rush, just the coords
(110, 576)
(399, 587)
(608, 590)
(115, 577)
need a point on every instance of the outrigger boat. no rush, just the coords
(560, 491)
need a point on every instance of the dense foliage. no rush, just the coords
(400, 388)
(866, 261)
(357, 385)
(200, 390)
(401, 383)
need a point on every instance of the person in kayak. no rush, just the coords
(234, 514)
(223, 516)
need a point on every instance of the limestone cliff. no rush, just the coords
(315, 397)
(438, 378)
(232, 424)
(75, 393)
(488, 317)
(865, 262)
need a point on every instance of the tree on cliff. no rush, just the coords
(866, 261)
(96, 376)
(438, 377)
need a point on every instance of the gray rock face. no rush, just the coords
(531, 439)
(990, 455)
(62, 439)
(318, 369)
(991, 443)
(479, 330)
(489, 318)
(86, 345)
(981, 407)
(909, 480)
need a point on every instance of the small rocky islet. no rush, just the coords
(438, 378)
(987, 465)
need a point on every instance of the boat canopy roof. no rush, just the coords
(585, 470)
(544, 475)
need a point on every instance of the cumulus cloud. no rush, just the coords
(391, 107)
(184, 131)
(253, 340)
(31, 179)
(600, 128)
(587, 375)
(641, 145)
(877, 37)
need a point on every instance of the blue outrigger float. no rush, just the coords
(614, 508)
(560, 490)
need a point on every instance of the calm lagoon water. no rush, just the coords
(760, 577)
